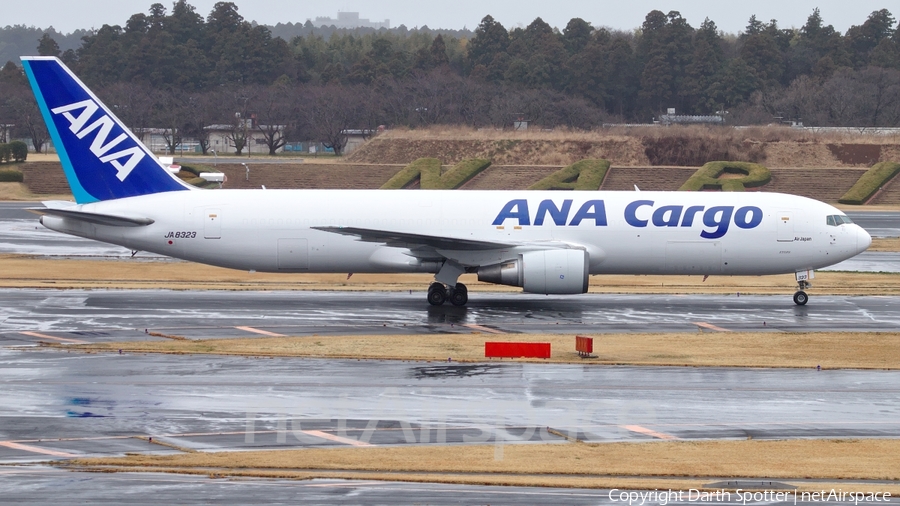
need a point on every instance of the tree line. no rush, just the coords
(182, 72)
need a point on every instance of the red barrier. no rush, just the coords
(516, 350)
(584, 344)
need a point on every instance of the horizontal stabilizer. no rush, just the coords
(407, 240)
(95, 218)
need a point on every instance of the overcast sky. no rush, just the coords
(730, 16)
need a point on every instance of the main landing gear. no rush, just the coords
(438, 293)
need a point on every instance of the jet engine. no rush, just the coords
(547, 271)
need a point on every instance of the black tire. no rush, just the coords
(800, 298)
(459, 297)
(437, 295)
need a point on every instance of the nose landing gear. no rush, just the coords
(803, 277)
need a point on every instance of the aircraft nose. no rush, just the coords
(863, 239)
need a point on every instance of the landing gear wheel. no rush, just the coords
(459, 295)
(800, 298)
(437, 294)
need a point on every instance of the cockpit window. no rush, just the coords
(835, 220)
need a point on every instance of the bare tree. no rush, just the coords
(880, 94)
(240, 100)
(28, 119)
(275, 110)
(202, 109)
(172, 117)
(135, 104)
(331, 111)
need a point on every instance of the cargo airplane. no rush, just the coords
(546, 242)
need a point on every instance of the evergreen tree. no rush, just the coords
(577, 35)
(47, 46)
(490, 40)
(700, 73)
(863, 39)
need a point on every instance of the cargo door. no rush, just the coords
(212, 226)
(785, 226)
(293, 255)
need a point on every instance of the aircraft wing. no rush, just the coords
(413, 241)
(95, 218)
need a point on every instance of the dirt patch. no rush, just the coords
(856, 154)
(695, 151)
(308, 175)
(830, 350)
(817, 459)
(619, 151)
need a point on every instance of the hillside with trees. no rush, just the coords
(179, 71)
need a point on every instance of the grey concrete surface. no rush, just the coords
(111, 315)
(869, 261)
(878, 223)
(60, 405)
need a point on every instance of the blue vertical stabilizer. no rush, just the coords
(102, 159)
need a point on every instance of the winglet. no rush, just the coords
(102, 159)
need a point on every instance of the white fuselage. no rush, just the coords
(271, 230)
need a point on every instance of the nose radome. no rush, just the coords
(863, 239)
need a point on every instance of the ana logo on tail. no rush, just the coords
(99, 146)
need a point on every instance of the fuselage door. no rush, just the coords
(293, 254)
(212, 224)
(785, 226)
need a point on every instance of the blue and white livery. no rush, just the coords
(543, 241)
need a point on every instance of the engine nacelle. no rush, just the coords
(555, 271)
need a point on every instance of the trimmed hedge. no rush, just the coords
(707, 177)
(19, 151)
(11, 176)
(196, 181)
(409, 173)
(15, 151)
(428, 170)
(870, 182)
(582, 175)
(198, 169)
(455, 177)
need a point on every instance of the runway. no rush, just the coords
(63, 405)
(111, 315)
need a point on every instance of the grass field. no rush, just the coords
(22, 271)
(830, 350)
(682, 464)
